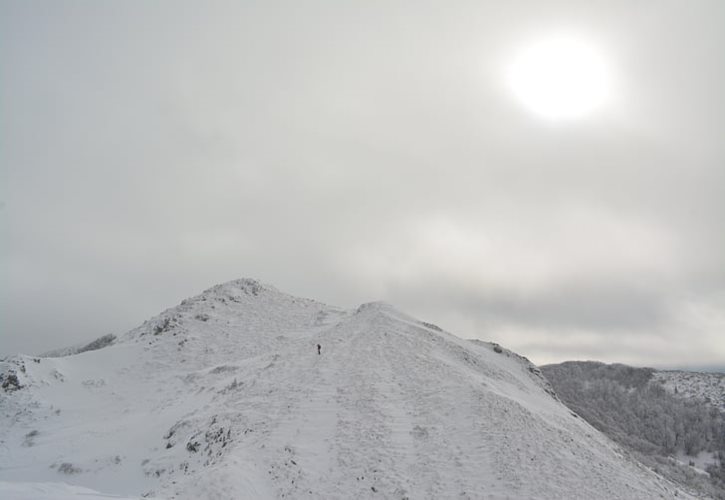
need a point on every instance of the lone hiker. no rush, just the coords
(319, 348)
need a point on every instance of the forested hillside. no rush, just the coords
(681, 437)
(707, 387)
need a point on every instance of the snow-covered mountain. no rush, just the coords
(226, 396)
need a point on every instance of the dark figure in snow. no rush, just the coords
(319, 348)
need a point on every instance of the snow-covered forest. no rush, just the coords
(682, 437)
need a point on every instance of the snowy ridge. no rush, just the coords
(225, 396)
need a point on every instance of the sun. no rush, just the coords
(560, 78)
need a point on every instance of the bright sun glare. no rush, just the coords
(560, 78)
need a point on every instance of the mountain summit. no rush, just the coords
(226, 396)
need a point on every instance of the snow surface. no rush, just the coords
(700, 462)
(51, 491)
(225, 396)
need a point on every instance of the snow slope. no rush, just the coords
(51, 491)
(225, 396)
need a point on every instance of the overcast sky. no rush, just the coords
(359, 151)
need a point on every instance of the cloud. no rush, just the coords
(353, 153)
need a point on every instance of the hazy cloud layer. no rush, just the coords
(356, 152)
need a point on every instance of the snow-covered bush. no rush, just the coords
(68, 468)
(30, 438)
(10, 381)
